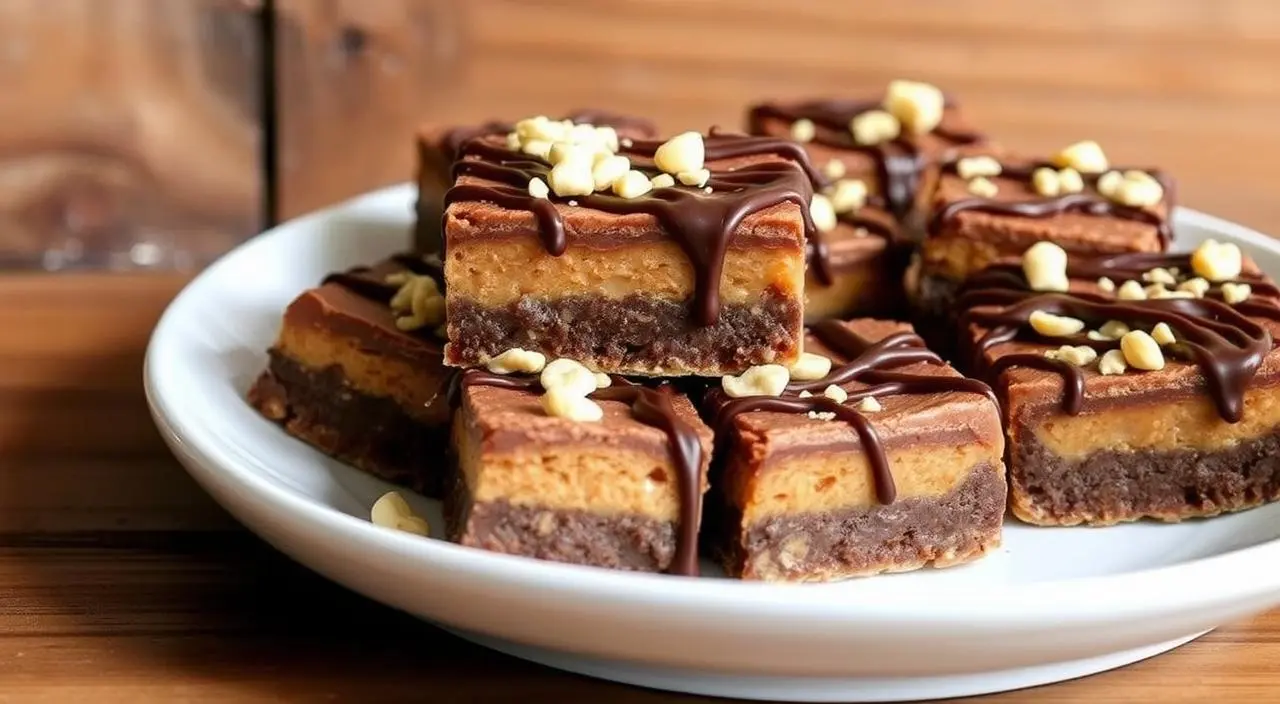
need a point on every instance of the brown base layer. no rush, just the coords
(905, 535)
(371, 433)
(615, 542)
(1113, 487)
(637, 334)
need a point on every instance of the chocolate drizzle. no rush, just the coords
(1226, 345)
(899, 163)
(1087, 202)
(651, 406)
(702, 223)
(869, 363)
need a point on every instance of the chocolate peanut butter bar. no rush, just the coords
(985, 208)
(611, 477)
(632, 256)
(438, 147)
(357, 371)
(1132, 386)
(883, 459)
(877, 157)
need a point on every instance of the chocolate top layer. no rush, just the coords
(1226, 344)
(764, 173)
(687, 441)
(872, 359)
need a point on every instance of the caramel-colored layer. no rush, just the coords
(814, 482)
(493, 273)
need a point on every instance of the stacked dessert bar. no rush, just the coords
(612, 348)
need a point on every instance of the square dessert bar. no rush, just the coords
(877, 157)
(631, 256)
(438, 147)
(620, 487)
(1135, 386)
(887, 461)
(987, 207)
(359, 374)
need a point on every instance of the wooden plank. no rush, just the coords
(1185, 85)
(131, 131)
(185, 617)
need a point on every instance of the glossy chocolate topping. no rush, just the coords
(370, 282)
(651, 406)
(870, 363)
(1221, 339)
(702, 223)
(1089, 202)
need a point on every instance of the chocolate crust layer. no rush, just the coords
(634, 543)
(957, 527)
(636, 334)
(372, 433)
(1111, 487)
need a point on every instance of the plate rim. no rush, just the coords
(1236, 575)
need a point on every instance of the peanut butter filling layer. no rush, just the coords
(494, 273)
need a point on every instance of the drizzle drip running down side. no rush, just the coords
(870, 363)
(702, 223)
(651, 406)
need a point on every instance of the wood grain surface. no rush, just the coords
(131, 131)
(1187, 85)
(165, 618)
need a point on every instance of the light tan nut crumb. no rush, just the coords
(418, 302)
(1160, 275)
(1163, 334)
(1045, 266)
(1233, 293)
(1070, 181)
(683, 152)
(834, 169)
(835, 393)
(1045, 182)
(392, 511)
(538, 188)
(762, 380)
(1051, 325)
(603, 381)
(663, 181)
(1113, 329)
(537, 147)
(1155, 291)
(822, 415)
(562, 403)
(1134, 188)
(568, 375)
(874, 127)
(803, 130)
(632, 184)
(1217, 261)
(1141, 351)
(562, 151)
(1086, 157)
(1131, 291)
(697, 178)
(517, 361)
(572, 177)
(609, 169)
(848, 195)
(1077, 356)
(810, 367)
(869, 404)
(1112, 362)
(918, 106)
(805, 394)
(1109, 184)
(1107, 285)
(1197, 286)
(983, 187)
(975, 166)
(822, 212)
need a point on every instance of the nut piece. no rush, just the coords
(869, 404)
(983, 187)
(1045, 181)
(810, 366)
(568, 375)
(632, 184)
(563, 403)
(834, 169)
(663, 181)
(572, 177)
(1112, 362)
(561, 151)
(418, 303)
(1197, 286)
(1217, 261)
(1077, 356)
(918, 106)
(603, 381)
(848, 195)
(1045, 266)
(1138, 189)
(802, 130)
(822, 415)
(1141, 351)
(974, 166)
(683, 152)
(874, 127)
(1106, 284)
(515, 361)
(1131, 291)
(608, 170)
(1114, 329)
(762, 380)
(1160, 275)
(1070, 181)
(1163, 334)
(835, 393)
(1236, 293)
(697, 178)
(392, 511)
(538, 188)
(1109, 184)
(822, 212)
(1051, 325)
(1086, 157)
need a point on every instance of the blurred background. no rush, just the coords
(141, 138)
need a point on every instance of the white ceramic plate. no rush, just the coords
(1052, 604)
